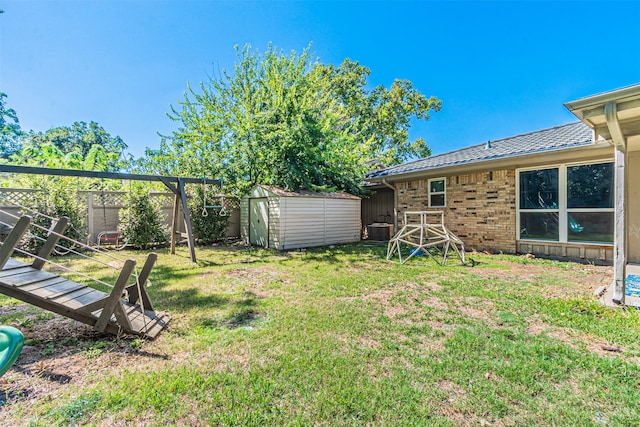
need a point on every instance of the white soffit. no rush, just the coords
(591, 111)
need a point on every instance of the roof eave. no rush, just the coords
(589, 151)
(595, 112)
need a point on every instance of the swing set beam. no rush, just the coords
(173, 183)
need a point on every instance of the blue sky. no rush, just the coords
(500, 68)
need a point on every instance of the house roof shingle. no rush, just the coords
(556, 138)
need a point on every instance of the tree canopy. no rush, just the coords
(10, 132)
(79, 146)
(293, 122)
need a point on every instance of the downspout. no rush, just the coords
(620, 238)
(395, 204)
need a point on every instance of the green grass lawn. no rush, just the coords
(339, 336)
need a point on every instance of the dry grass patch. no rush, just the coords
(453, 392)
(578, 340)
(435, 303)
(477, 308)
(384, 298)
(576, 279)
(433, 344)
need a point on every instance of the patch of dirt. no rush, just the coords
(426, 287)
(470, 311)
(250, 279)
(12, 309)
(368, 342)
(60, 351)
(433, 344)
(453, 391)
(384, 297)
(478, 309)
(439, 325)
(391, 309)
(536, 328)
(449, 408)
(239, 273)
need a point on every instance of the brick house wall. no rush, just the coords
(481, 207)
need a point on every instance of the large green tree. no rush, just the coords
(79, 146)
(10, 132)
(291, 121)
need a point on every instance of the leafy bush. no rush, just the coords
(141, 220)
(55, 201)
(212, 227)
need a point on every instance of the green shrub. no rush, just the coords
(55, 201)
(141, 220)
(212, 227)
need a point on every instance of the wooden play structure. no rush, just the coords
(175, 184)
(425, 234)
(127, 308)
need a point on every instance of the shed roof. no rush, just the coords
(305, 193)
(556, 138)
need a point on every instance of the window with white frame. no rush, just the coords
(437, 193)
(567, 203)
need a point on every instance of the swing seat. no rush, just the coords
(108, 238)
(113, 238)
(11, 342)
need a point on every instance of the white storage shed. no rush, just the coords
(275, 218)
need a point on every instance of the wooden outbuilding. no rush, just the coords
(279, 219)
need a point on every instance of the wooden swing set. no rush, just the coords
(127, 307)
(175, 184)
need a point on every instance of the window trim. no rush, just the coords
(444, 192)
(562, 210)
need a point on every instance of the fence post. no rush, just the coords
(90, 226)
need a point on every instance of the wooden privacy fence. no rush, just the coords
(101, 209)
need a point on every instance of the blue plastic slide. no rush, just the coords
(11, 342)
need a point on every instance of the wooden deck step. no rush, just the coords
(18, 270)
(79, 298)
(27, 277)
(12, 263)
(27, 285)
(32, 286)
(149, 324)
(65, 288)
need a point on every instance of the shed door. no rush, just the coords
(259, 222)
